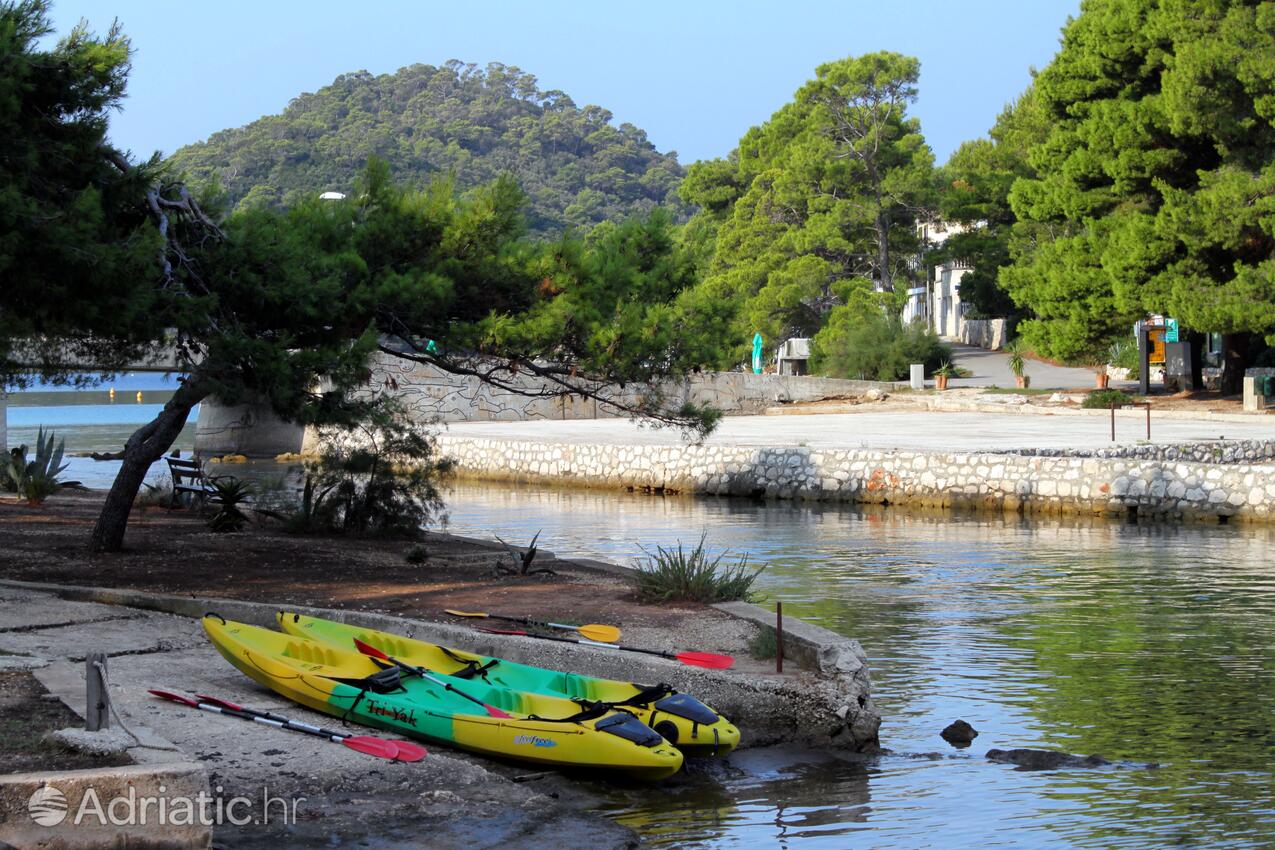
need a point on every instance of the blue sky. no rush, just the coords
(694, 75)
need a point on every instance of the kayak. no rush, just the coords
(684, 721)
(544, 730)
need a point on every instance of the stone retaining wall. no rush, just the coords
(1115, 486)
(984, 333)
(1230, 451)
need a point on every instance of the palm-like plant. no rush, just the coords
(229, 493)
(37, 479)
(1016, 362)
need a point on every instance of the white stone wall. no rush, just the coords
(984, 333)
(1159, 488)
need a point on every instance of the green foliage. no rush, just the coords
(675, 575)
(76, 253)
(229, 494)
(576, 167)
(870, 345)
(379, 478)
(1155, 186)
(1125, 355)
(974, 188)
(817, 207)
(1103, 399)
(945, 370)
(1017, 351)
(35, 479)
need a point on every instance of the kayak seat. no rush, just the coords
(311, 653)
(573, 686)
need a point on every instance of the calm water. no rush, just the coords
(1139, 642)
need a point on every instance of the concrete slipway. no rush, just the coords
(448, 800)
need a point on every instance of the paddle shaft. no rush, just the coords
(424, 674)
(587, 642)
(266, 715)
(590, 631)
(277, 723)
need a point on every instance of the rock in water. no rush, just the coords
(959, 734)
(1044, 759)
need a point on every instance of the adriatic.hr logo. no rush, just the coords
(47, 806)
(535, 740)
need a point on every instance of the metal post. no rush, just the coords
(97, 714)
(1148, 422)
(779, 637)
(1113, 422)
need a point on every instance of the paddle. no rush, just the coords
(373, 652)
(711, 660)
(407, 751)
(592, 631)
(366, 744)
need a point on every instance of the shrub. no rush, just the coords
(870, 345)
(1017, 361)
(416, 555)
(1124, 355)
(36, 479)
(763, 645)
(378, 479)
(229, 493)
(675, 575)
(1104, 398)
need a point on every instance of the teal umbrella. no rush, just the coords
(757, 343)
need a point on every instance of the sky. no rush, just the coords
(694, 74)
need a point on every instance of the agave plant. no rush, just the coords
(36, 480)
(229, 493)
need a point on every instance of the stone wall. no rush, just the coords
(433, 395)
(1114, 486)
(984, 333)
(1221, 451)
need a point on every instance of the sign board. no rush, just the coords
(1171, 330)
(1155, 339)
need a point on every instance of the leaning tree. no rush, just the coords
(285, 307)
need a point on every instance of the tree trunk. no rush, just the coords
(1234, 359)
(883, 252)
(144, 447)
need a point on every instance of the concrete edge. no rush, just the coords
(813, 647)
(67, 791)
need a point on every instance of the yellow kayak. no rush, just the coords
(545, 730)
(684, 721)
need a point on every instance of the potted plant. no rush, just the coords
(943, 374)
(1017, 364)
(1099, 365)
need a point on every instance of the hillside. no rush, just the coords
(575, 166)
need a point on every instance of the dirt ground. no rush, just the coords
(172, 551)
(27, 714)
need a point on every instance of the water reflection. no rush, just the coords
(1142, 642)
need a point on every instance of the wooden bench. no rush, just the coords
(183, 471)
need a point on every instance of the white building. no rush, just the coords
(938, 303)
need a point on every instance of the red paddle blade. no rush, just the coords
(369, 650)
(711, 660)
(408, 751)
(378, 747)
(222, 703)
(172, 697)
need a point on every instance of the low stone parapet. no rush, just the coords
(1178, 489)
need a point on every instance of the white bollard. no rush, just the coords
(918, 376)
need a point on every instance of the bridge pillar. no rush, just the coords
(248, 429)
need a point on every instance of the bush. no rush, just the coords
(379, 479)
(36, 479)
(675, 575)
(1104, 398)
(874, 346)
(416, 555)
(1124, 355)
(764, 645)
(229, 493)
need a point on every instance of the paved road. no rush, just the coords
(991, 369)
(962, 431)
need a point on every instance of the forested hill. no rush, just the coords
(575, 166)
